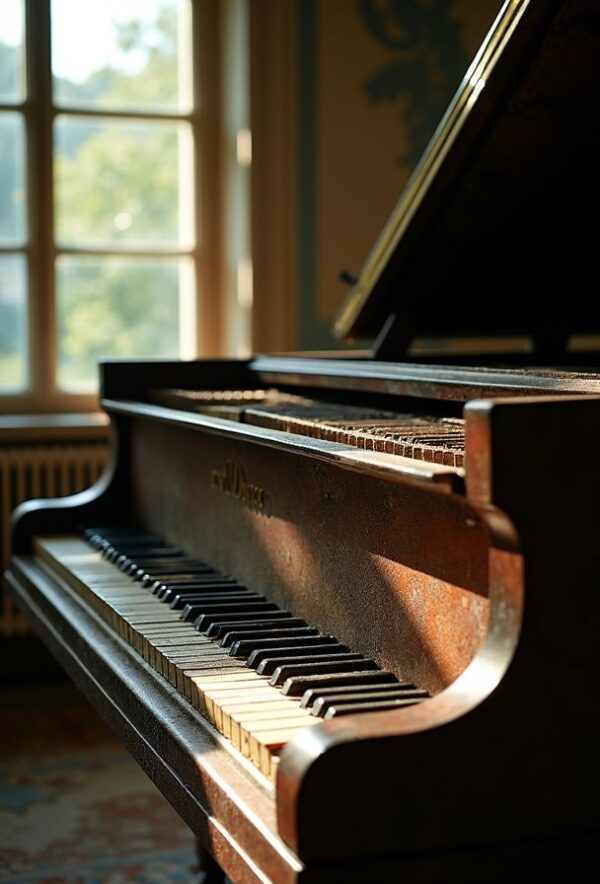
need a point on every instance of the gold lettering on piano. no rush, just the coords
(232, 482)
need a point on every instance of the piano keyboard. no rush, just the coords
(421, 437)
(257, 673)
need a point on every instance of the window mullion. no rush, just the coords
(38, 112)
(47, 258)
(207, 126)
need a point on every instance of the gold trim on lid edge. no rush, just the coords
(452, 123)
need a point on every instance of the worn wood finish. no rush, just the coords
(457, 383)
(517, 732)
(185, 760)
(427, 611)
(229, 808)
(130, 379)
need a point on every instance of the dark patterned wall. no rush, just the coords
(374, 79)
(429, 59)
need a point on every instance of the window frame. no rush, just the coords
(41, 250)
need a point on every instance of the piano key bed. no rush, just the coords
(257, 673)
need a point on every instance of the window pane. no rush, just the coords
(12, 189)
(122, 56)
(11, 52)
(121, 182)
(13, 323)
(119, 307)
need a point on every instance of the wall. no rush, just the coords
(368, 81)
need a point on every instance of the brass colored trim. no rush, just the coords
(451, 125)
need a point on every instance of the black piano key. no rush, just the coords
(147, 574)
(166, 591)
(101, 542)
(148, 577)
(138, 542)
(202, 593)
(298, 684)
(137, 569)
(226, 591)
(167, 588)
(217, 629)
(248, 644)
(346, 663)
(269, 664)
(170, 562)
(174, 575)
(287, 648)
(203, 613)
(322, 705)
(146, 551)
(89, 532)
(207, 615)
(112, 553)
(169, 593)
(276, 632)
(129, 563)
(375, 706)
(202, 599)
(157, 584)
(118, 542)
(126, 537)
(313, 694)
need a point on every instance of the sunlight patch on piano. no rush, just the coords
(420, 626)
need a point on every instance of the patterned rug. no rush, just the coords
(74, 806)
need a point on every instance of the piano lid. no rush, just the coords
(497, 230)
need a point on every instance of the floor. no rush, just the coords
(74, 806)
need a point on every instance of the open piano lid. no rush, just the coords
(497, 230)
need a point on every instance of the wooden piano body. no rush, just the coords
(477, 581)
(400, 561)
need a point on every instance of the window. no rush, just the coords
(100, 192)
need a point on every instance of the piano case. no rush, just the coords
(437, 512)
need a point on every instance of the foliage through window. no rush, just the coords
(117, 132)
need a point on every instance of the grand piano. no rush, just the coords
(344, 611)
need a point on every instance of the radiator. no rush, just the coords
(40, 470)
